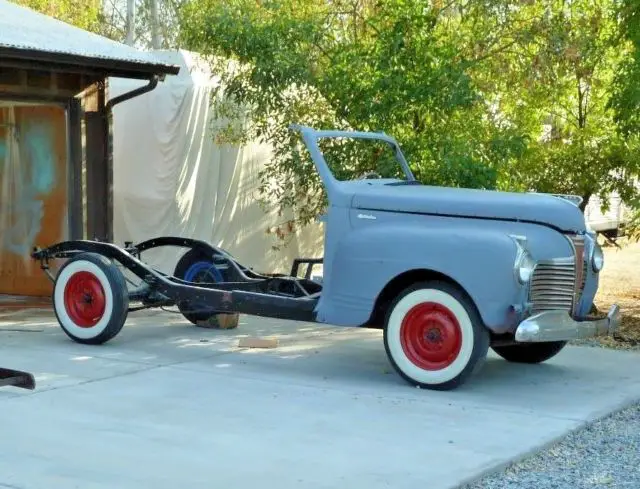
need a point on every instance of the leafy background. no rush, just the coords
(524, 95)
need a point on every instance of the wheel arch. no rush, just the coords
(403, 280)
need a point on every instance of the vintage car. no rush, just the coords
(446, 273)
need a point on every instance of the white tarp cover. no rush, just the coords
(170, 178)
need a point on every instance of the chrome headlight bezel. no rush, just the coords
(524, 264)
(597, 258)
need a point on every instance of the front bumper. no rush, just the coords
(559, 326)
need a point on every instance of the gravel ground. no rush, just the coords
(604, 454)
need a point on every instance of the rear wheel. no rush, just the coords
(434, 336)
(90, 299)
(197, 266)
(530, 352)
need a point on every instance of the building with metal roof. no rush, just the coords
(55, 135)
(29, 35)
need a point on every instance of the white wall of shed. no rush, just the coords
(170, 178)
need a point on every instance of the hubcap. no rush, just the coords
(84, 299)
(430, 335)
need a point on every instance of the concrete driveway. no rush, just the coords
(166, 405)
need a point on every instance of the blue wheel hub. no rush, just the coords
(203, 266)
(212, 274)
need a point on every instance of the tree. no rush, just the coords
(108, 18)
(115, 24)
(625, 96)
(624, 100)
(550, 75)
(352, 64)
(84, 14)
(493, 94)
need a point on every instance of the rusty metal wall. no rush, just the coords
(33, 192)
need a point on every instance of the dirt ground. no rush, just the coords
(620, 283)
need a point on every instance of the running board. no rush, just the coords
(16, 378)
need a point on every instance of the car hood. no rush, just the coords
(423, 199)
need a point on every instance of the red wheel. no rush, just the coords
(431, 336)
(84, 299)
(434, 336)
(90, 298)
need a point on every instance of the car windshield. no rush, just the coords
(352, 158)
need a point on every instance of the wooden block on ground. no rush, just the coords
(258, 343)
(220, 321)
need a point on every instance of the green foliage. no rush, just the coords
(114, 22)
(84, 14)
(382, 66)
(169, 28)
(109, 19)
(493, 94)
(625, 97)
(557, 62)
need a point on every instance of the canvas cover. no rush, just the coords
(170, 178)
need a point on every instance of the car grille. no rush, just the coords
(558, 284)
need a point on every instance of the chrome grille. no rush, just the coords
(578, 246)
(583, 282)
(553, 285)
(558, 283)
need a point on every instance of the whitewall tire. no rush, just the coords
(90, 298)
(434, 337)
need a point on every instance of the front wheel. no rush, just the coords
(90, 299)
(434, 337)
(530, 352)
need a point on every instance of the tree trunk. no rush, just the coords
(131, 21)
(155, 34)
(585, 201)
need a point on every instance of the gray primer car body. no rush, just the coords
(376, 232)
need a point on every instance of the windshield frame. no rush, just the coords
(311, 136)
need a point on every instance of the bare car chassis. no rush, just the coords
(229, 287)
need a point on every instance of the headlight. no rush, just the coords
(524, 267)
(524, 264)
(597, 258)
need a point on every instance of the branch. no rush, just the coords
(445, 7)
(115, 10)
(493, 53)
(567, 119)
(581, 118)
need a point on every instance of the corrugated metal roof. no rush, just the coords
(25, 29)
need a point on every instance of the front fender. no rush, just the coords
(367, 258)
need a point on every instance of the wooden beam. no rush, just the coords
(99, 172)
(75, 193)
(37, 92)
(33, 98)
(41, 82)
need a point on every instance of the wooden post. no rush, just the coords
(99, 171)
(75, 192)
